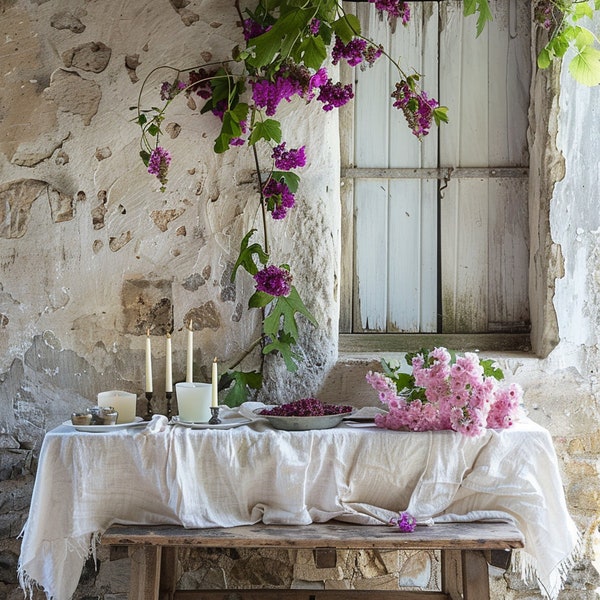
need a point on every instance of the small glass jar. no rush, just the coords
(103, 415)
(81, 418)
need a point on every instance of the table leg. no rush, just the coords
(476, 583)
(145, 573)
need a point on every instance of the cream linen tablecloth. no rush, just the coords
(204, 478)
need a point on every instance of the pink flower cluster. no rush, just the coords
(457, 395)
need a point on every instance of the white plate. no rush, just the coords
(224, 424)
(104, 428)
(302, 423)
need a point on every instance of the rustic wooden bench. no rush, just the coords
(466, 550)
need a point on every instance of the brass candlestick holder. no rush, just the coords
(214, 420)
(149, 412)
(169, 396)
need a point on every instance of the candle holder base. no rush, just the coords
(149, 412)
(169, 396)
(214, 420)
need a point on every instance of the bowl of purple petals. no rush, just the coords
(305, 414)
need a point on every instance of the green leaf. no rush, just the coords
(268, 130)
(259, 300)
(585, 66)
(543, 59)
(239, 383)
(346, 27)
(142, 119)
(245, 258)
(582, 9)
(312, 52)
(491, 369)
(222, 143)
(283, 344)
(145, 156)
(470, 7)
(280, 39)
(290, 179)
(283, 315)
(153, 129)
(440, 115)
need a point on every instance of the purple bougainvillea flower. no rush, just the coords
(158, 164)
(286, 160)
(274, 280)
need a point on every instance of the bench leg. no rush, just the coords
(452, 573)
(475, 575)
(145, 573)
(168, 573)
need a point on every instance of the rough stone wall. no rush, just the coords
(91, 253)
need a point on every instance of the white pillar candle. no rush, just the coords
(168, 366)
(148, 363)
(122, 402)
(189, 374)
(193, 401)
(215, 384)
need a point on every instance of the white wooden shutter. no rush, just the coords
(406, 235)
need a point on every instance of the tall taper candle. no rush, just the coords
(168, 366)
(215, 384)
(189, 375)
(148, 362)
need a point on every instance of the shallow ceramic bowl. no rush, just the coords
(303, 423)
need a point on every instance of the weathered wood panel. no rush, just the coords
(396, 274)
(463, 536)
(483, 232)
(307, 594)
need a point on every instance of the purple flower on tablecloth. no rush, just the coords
(404, 521)
(274, 281)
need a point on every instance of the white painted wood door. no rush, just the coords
(428, 254)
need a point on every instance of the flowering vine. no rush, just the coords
(286, 47)
(284, 56)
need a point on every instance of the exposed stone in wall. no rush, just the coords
(116, 243)
(103, 153)
(99, 212)
(132, 62)
(162, 218)
(74, 94)
(188, 17)
(61, 206)
(93, 56)
(147, 305)
(206, 316)
(67, 20)
(29, 154)
(16, 199)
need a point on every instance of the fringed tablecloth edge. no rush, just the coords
(524, 563)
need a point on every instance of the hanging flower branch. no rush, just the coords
(286, 48)
(563, 19)
(284, 56)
